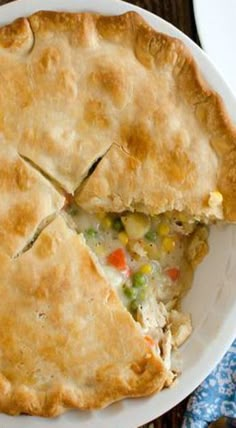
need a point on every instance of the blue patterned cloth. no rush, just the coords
(216, 396)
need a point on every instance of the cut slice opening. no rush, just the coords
(149, 261)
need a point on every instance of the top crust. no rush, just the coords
(27, 201)
(54, 355)
(88, 75)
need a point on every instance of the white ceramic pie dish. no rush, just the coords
(218, 44)
(212, 300)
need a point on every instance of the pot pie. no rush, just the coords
(114, 157)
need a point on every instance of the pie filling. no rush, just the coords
(150, 263)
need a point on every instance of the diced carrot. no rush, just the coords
(173, 273)
(149, 340)
(117, 259)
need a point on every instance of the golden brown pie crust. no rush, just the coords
(66, 339)
(27, 201)
(75, 88)
(89, 83)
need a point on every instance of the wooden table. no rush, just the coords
(179, 13)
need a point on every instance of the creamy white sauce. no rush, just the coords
(163, 293)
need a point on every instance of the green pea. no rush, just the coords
(151, 236)
(139, 279)
(91, 233)
(117, 225)
(130, 292)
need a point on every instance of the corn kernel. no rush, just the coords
(123, 237)
(107, 222)
(215, 199)
(147, 269)
(163, 229)
(168, 244)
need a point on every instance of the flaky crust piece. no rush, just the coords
(28, 200)
(66, 339)
(84, 87)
